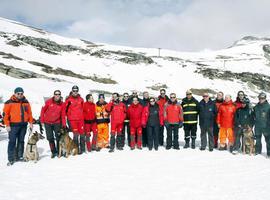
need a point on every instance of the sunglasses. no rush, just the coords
(172, 97)
(152, 101)
(189, 94)
(126, 96)
(162, 93)
(19, 93)
(57, 94)
(262, 98)
(75, 90)
(205, 96)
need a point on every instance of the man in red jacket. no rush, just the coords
(90, 124)
(173, 119)
(134, 114)
(50, 118)
(118, 115)
(73, 111)
(162, 100)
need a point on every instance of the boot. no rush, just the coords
(186, 144)
(193, 144)
(112, 143)
(139, 142)
(118, 142)
(53, 150)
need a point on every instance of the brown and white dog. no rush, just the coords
(31, 150)
(248, 141)
(66, 144)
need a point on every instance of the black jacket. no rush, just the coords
(190, 110)
(244, 116)
(207, 113)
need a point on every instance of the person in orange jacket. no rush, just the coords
(225, 120)
(134, 114)
(117, 111)
(90, 124)
(103, 120)
(17, 114)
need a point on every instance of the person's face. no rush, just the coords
(173, 98)
(241, 95)
(126, 97)
(162, 93)
(101, 100)
(57, 96)
(244, 105)
(219, 96)
(134, 94)
(146, 95)
(91, 99)
(135, 101)
(262, 100)
(19, 95)
(189, 95)
(228, 98)
(75, 92)
(152, 101)
(115, 97)
(206, 97)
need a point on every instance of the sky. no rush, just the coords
(184, 25)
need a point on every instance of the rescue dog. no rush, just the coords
(31, 150)
(66, 144)
(248, 141)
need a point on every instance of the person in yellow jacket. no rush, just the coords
(103, 120)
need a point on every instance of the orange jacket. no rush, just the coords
(225, 115)
(17, 112)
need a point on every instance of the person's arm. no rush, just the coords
(30, 120)
(6, 116)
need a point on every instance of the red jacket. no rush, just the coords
(72, 109)
(134, 114)
(51, 112)
(145, 115)
(238, 103)
(173, 113)
(162, 101)
(89, 112)
(225, 117)
(117, 111)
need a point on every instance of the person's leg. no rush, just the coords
(12, 137)
(175, 136)
(132, 137)
(193, 135)
(187, 130)
(258, 137)
(266, 134)
(95, 132)
(119, 132)
(50, 137)
(231, 139)
(155, 136)
(56, 129)
(112, 138)
(161, 135)
(211, 143)
(169, 137)
(139, 137)
(21, 137)
(215, 133)
(237, 144)
(150, 131)
(203, 138)
(222, 137)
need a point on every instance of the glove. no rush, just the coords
(8, 129)
(180, 124)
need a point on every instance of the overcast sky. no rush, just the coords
(186, 25)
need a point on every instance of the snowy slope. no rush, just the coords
(184, 174)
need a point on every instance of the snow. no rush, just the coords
(183, 174)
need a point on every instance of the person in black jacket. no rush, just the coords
(126, 128)
(145, 102)
(207, 116)
(190, 110)
(243, 119)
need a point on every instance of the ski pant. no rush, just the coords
(172, 129)
(238, 137)
(161, 135)
(133, 132)
(224, 134)
(88, 128)
(152, 136)
(215, 133)
(52, 134)
(103, 135)
(16, 134)
(207, 131)
(116, 129)
(144, 137)
(126, 128)
(190, 132)
(258, 137)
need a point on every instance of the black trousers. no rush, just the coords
(172, 135)
(190, 131)
(153, 136)
(161, 135)
(144, 137)
(258, 136)
(207, 131)
(52, 134)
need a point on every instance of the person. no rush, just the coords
(73, 112)
(134, 94)
(207, 117)
(162, 100)
(90, 124)
(152, 120)
(145, 102)
(173, 120)
(239, 99)
(103, 120)
(218, 101)
(117, 111)
(134, 114)
(190, 109)
(126, 127)
(50, 118)
(243, 119)
(17, 114)
(225, 121)
(262, 118)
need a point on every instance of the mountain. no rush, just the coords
(41, 62)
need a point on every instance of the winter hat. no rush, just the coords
(262, 95)
(88, 97)
(75, 87)
(101, 96)
(18, 89)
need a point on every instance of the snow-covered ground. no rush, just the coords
(143, 175)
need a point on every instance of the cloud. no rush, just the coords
(186, 25)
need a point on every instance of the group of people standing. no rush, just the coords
(142, 121)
